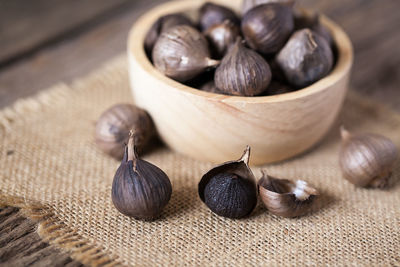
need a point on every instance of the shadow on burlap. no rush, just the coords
(50, 167)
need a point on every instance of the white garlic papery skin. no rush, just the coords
(300, 190)
(367, 160)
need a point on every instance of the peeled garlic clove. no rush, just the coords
(242, 72)
(306, 19)
(222, 36)
(229, 189)
(182, 53)
(286, 198)
(367, 160)
(267, 27)
(212, 14)
(162, 24)
(114, 124)
(140, 189)
(305, 59)
(249, 4)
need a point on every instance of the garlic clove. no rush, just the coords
(222, 36)
(182, 53)
(267, 27)
(162, 24)
(212, 14)
(286, 198)
(114, 124)
(305, 19)
(305, 59)
(249, 4)
(242, 72)
(367, 160)
(140, 189)
(229, 189)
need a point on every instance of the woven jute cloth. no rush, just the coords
(51, 169)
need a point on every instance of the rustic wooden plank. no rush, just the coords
(20, 245)
(71, 58)
(26, 25)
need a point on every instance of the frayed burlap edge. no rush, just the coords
(52, 230)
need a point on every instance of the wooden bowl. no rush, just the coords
(217, 128)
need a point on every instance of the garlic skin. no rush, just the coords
(367, 160)
(249, 4)
(182, 53)
(229, 189)
(114, 124)
(267, 27)
(305, 59)
(242, 72)
(162, 24)
(286, 198)
(222, 36)
(306, 19)
(140, 189)
(212, 14)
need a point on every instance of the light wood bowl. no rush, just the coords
(217, 128)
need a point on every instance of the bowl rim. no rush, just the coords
(137, 53)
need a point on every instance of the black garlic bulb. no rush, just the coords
(249, 4)
(229, 190)
(312, 20)
(222, 36)
(242, 72)
(140, 189)
(182, 53)
(267, 27)
(114, 124)
(212, 14)
(162, 24)
(367, 160)
(286, 198)
(305, 59)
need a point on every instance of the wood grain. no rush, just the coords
(20, 245)
(80, 54)
(25, 26)
(371, 24)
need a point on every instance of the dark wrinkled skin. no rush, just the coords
(221, 37)
(242, 72)
(114, 124)
(249, 4)
(312, 21)
(230, 195)
(162, 24)
(140, 189)
(212, 14)
(267, 27)
(305, 59)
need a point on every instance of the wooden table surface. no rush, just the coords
(45, 41)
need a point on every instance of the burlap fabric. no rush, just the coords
(51, 168)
